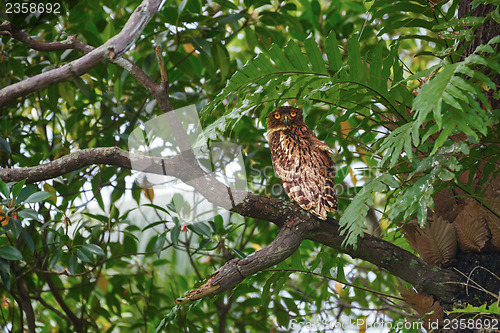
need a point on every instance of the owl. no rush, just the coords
(302, 162)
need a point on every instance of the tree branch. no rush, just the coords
(111, 50)
(25, 304)
(77, 323)
(295, 224)
(288, 240)
(8, 28)
(397, 261)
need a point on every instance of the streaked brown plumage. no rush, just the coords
(302, 162)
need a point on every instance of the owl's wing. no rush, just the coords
(315, 142)
(306, 170)
(312, 185)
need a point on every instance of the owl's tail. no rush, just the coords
(327, 201)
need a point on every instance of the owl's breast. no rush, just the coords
(285, 143)
(289, 152)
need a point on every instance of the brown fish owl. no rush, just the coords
(302, 162)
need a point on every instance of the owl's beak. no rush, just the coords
(286, 120)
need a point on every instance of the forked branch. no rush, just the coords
(111, 50)
(295, 224)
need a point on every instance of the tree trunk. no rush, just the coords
(481, 270)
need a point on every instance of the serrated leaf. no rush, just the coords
(436, 242)
(263, 63)
(443, 137)
(470, 225)
(393, 144)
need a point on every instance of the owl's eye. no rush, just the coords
(293, 114)
(277, 115)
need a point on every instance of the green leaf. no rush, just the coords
(4, 189)
(353, 220)
(38, 197)
(10, 253)
(25, 193)
(296, 57)
(28, 240)
(83, 255)
(201, 45)
(423, 73)
(5, 279)
(4, 146)
(56, 256)
(315, 57)
(431, 93)
(174, 234)
(160, 242)
(182, 6)
(415, 199)
(341, 173)
(222, 57)
(354, 59)
(393, 144)
(15, 226)
(263, 63)
(239, 253)
(280, 59)
(442, 137)
(16, 189)
(333, 52)
(201, 229)
(377, 82)
(296, 261)
(73, 264)
(28, 213)
(94, 249)
(4, 266)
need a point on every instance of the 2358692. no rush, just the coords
(31, 8)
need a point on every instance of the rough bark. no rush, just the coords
(112, 49)
(295, 224)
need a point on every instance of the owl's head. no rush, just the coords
(284, 117)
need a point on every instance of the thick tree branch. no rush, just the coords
(396, 260)
(112, 49)
(73, 43)
(288, 240)
(295, 224)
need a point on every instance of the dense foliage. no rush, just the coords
(384, 83)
